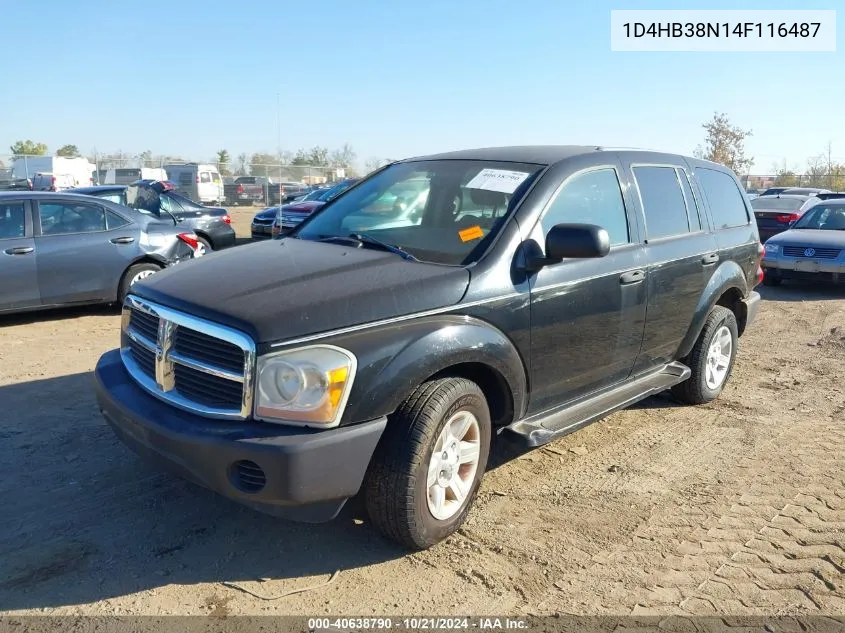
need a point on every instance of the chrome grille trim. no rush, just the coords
(164, 385)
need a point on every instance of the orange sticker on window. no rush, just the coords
(472, 233)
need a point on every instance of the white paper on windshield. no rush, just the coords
(501, 180)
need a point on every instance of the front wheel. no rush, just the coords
(711, 359)
(428, 466)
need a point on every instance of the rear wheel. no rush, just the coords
(428, 466)
(134, 274)
(203, 247)
(711, 360)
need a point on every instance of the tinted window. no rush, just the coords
(114, 220)
(593, 197)
(663, 201)
(692, 207)
(727, 204)
(59, 219)
(205, 176)
(127, 173)
(12, 220)
(186, 178)
(779, 204)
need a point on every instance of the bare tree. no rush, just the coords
(725, 144)
(815, 172)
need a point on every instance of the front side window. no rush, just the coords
(593, 197)
(663, 201)
(12, 220)
(65, 218)
(439, 211)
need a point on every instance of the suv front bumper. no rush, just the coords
(291, 472)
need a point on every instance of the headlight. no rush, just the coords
(772, 248)
(307, 386)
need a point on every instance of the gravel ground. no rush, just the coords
(736, 507)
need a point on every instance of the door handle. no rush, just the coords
(19, 250)
(122, 240)
(632, 277)
(710, 258)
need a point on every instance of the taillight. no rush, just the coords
(240, 188)
(760, 274)
(761, 251)
(198, 179)
(190, 239)
(786, 218)
(227, 219)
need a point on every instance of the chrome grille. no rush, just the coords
(818, 253)
(189, 362)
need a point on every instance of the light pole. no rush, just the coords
(279, 142)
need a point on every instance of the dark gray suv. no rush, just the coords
(59, 249)
(538, 290)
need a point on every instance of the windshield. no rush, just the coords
(779, 204)
(823, 217)
(440, 211)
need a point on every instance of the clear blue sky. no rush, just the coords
(394, 79)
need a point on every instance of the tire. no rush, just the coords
(698, 388)
(130, 276)
(396, 490)
(771, 281)
(205, 243)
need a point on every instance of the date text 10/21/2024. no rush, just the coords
(420, 624)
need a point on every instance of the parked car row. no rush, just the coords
(274, 221)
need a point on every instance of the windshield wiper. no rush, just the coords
(391, 248)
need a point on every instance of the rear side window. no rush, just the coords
(115, 221)
(663, 201)
(12, 220)
(727, 204)
(186, 178)
(593, 197)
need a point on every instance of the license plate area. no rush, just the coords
(807, 265)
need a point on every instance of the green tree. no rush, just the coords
(316, 156)
(725, 144)
(223, 160)
(343, 157)
(28, 148)
(265, 165)
(68, 151)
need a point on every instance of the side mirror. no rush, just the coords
(572, 241)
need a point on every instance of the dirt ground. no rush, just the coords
(736, 507)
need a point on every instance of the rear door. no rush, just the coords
(681, 252)
(79, 260)
(18, 271)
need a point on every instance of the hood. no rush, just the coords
(810, 237)
(307, 207)
(267, 214)
(283, 289)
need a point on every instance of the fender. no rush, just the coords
(728, 275)
(394, 359)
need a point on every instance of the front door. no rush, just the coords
(18, 272)
(587, 315)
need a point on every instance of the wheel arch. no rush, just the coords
(146, 258)
(393, 361)
(727, 288)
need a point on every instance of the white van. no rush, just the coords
(197, 181)
(128, 175)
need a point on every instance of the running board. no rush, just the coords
(544, 428)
